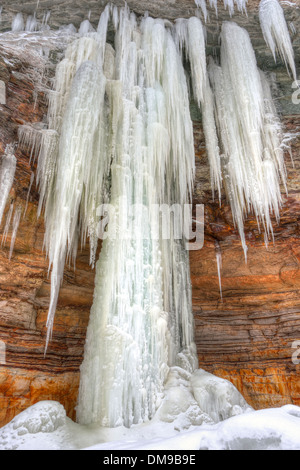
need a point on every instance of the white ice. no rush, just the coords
(18, 23)
(276, 33)
(140, 322)
(249, 158)
(15, 226)
(230, 5)
(7, 174)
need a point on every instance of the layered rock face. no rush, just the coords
(246, 337)
(248, 334)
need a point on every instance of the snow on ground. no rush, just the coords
(45, 426)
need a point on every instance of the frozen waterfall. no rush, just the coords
(120, 132)
(118, 147)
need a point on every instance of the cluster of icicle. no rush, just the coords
(120, 132)
(242, 130)
(242, 122)
(276, 33)
(230, 5)
(31, 24)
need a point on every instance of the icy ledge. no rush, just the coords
(199, 411)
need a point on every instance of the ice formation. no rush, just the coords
(18, 23)
(119, 142)
(142, 300)
(190, 36)
(15, 226)
(276, 33)
(7, 223)
(241, 6)
(219, 266)
(249, 158)
(28, 192)
(7, 174)
(119, 131)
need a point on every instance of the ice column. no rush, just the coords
(141, 320)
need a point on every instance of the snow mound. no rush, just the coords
(217, 397)
(43, 417)
(271, 429)
(44, 426)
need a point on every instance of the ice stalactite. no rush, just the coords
(219, 266)
(30, 136)
(28, 192)
(15, 226)
(7, 223)
(18, 23)
(202, 4)
(276, 33)
(31, 23)
(230, 5)
(7, 174)
(211, 139)
(190, 36)
(249, 158)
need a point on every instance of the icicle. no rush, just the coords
(214, 4)
(7, 174)
(228, 4)
(18, 23)
(46, 17)
(7, 224)
(102, 30)
(30, 136)
(202, 4)
(15, 226)
(211, 140)
(85, 27)
(219, 266)
(276, 33)
(190, 35)
(29, 189)
(31, 23)
(292, 28)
